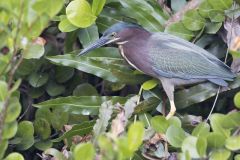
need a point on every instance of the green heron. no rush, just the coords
(172, 60)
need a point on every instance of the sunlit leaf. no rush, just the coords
(79, 13)
(84, 151)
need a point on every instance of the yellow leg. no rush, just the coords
(172, 110)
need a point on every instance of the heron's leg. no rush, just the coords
(169, 89)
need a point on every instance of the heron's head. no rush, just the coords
(118, 33)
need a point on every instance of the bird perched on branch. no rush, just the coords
(172, 60)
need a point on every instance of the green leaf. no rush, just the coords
(79, 129)
(97, 6)
(14, 156)
(85, 89)
(178, 29)
(231, 120)
(233, 143)
(135, 136)
(221, 4)
(66, 26)
(104, 62)
(216, 16)
(216, 121)
(215, 140)
(175, 121)
(175, 136)
(147, 105)
(201, 146)
(221, 154)
(84, 151)
(25, 133)
(42, 128)
(237, 157)
(55, 153)
(204, 9)
(160, 124)
(86, 105)
(53, 89)
(13, 110)
(237, 100)
(190, 145)
(106, 146)
(51, 7)
(38, 79)
(33, 51)
(3, 90)
(88, 35)
(212, 28)
(146, 15)
(3, 148)
(193, 21)
(43, 145)
(9, 130)
(202, 129)
(79, 13)
(59, 118)
(150, 84)
(36, 92)
(63, 74)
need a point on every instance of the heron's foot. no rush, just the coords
(170, 114)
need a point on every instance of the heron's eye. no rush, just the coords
(113, 34)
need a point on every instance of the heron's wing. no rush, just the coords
(174, 57)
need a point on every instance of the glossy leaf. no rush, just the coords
(84, 151)
(13, 110)
(85, 89)
(105, 63)
(42, 128)
(215, 140)
(233, 143)
(66, 26)
(38, 79)
(79, 129)
(175, 136)
(34, 51)
(160, 124)
(9, 130)
(204, 9)
(55, 153)
(145, 14)
(97, 6)
(150, 84)
(52, 7)
(193, 21)
(212, 28)
(221, 4)
(201, 146)
(237, 100)
(86, 105)
(88, 35)
(14, 156)
(178, 29)
(216, 121)
(201, 129)
(25, 133)
(79, 13)
(135, 136)
(221, 154)
(190, 145)
(63, 74)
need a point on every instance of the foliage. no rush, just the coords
(54, 103)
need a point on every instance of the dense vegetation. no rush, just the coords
(56, 104)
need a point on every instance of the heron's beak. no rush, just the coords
(99, 43)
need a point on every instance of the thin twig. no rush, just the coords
(225, 61)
